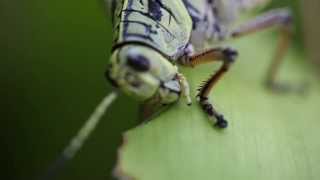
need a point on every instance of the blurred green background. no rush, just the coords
(53, 56)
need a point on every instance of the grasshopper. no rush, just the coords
(153, 37)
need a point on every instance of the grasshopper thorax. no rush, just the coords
(143, 73)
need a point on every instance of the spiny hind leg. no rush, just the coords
(283, 20)
(227, 56)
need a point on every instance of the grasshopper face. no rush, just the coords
(139, 71)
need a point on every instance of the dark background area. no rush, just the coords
(53, 56)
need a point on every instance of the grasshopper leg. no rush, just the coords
(282, 19)
(227, 56)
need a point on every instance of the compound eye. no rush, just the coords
(139, 63)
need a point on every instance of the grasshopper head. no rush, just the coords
(139, 71)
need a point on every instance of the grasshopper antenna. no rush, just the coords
(80, 138)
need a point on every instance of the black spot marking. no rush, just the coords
(210, 1)
(161, 5)
(155, 9)
(139, 63)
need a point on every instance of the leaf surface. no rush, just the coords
(270, 136)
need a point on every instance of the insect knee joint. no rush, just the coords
(230, 55)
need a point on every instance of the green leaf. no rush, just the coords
(270, 136)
